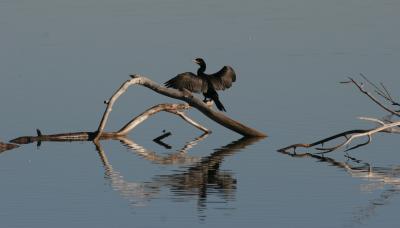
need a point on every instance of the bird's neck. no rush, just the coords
(201, 70)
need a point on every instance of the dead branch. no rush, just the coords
(386, 95)
(159, 139)
(348, 135)
(185, 96)
(176, 109)
(344, 134)
(7, 146)
(384, 125)
(87, 136)
(383, 92)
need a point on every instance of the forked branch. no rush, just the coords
(185, 96)
(176, 109)
(349, 136)
(382, 92)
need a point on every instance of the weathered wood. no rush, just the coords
(7, 146)
(376, 101)
(180, 95)
(89, 136)
(171, 108)
(348, 135)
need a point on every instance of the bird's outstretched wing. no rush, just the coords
(224, 78)
(188, 81)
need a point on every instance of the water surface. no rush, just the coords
(61, 59)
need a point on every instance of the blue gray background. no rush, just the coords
(60, 59)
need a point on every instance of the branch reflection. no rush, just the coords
(386, 179)
(180, 157)
(202, 179)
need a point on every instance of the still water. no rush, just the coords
(60, 60)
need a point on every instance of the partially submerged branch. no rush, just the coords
(87, 136)
(159, 139)
(384, 125)
(348, 135)
(177, 109)
(185, 96)
(7, 146)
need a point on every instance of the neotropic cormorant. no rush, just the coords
(208, 84)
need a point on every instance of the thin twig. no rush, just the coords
(161, 137)
(373, 98)
(372, 120)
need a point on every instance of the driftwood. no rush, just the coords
(185, 96)
(176, 109)
(7, 146)
(349, 137)
(384, 125)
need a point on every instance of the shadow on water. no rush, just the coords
(385, 179)
(202, 179)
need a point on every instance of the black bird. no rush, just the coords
(208, 84)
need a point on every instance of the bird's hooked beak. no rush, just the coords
(195, 61)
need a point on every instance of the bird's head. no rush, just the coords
(199, 61)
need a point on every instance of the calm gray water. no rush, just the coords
(60, 60)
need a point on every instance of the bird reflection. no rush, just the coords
(386, 179)
(201, 179)
(205, 177)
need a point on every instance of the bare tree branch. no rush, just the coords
(360, 87)
(344, 134)
(176, 109)
(7, 146)
(181, 95)
(381, 92)
(86, 136)
(348, 135)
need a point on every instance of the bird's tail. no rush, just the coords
(219, 105)
(170, 83)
